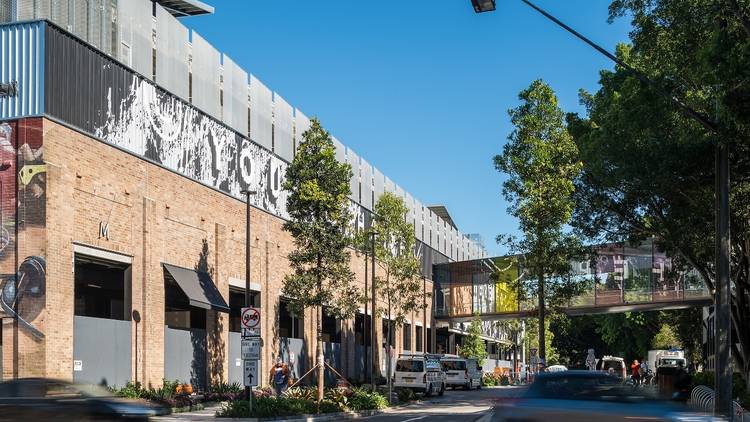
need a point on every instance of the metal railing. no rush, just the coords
(702, 398)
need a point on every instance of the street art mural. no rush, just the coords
(22, 225)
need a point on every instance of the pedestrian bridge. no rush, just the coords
(619, 278)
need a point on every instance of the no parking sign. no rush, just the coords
(250, 318)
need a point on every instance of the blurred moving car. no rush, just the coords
(592, 396)
(42, 399)
(419, 372)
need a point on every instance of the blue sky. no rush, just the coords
(420, 89)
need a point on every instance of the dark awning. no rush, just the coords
(198, 287)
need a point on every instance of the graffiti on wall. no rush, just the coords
(23, 185)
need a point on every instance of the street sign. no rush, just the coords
(251, 348)
(250, 318)
(250, 373)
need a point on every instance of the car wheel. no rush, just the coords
(442, 390)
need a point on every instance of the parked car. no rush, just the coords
(557, 368)
(613, 366)
(591, 396)
(420, 373)
(40, 399)
(460, 372)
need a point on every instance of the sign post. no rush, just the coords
(251, 346)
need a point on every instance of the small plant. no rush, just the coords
(365, 400)
(406, 395)
(490, 380)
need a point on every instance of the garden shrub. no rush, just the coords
(406, 395)
(365, 400)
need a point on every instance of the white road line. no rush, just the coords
(414, 419)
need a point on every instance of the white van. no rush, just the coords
(460, 372)
(419, 372)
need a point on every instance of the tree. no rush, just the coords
(541, 162)
(512, 330)
(400, 286)
(665, 338)
(648, 171)
(318, 187)
(473, 343)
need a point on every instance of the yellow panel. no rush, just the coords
(506, 290)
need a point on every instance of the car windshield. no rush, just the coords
(670, 362)
(453, 365)
(579, 387)
(614, 364)
(406, 365)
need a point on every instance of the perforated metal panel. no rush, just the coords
(234, 106)
(418, 219)
(389, 185)
(379, 181)
(283, 138)
(301, 125)
(22, 47)
(172, 54)
(434, 229)
(206, 94)
(261, 107)
(366, 183)
(135, 22)
(353, 159)
(340, 150)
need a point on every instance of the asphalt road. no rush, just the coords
(458, 405)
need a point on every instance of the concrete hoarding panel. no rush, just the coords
(172, 54)
(22, 48)
(235, 92)
(283, 138)
(135, 23)
(292, 351)
(206, 93)
(353, 159)
(102, 351)
(185, 357)
(261, 108)
(235, 358)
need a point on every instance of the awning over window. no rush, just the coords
(198, 287)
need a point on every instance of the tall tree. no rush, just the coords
(541, 162)
(399, 285)
(473, 343)
(648, 171)
(318, 200)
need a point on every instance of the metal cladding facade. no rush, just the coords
(65, 78)
(22, 49)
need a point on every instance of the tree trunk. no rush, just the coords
(321, 357)
(542, 344)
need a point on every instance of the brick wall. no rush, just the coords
(157, 216)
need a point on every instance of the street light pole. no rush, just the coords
(247, 194)
(365, 336)
(722, 319)
(373, 307)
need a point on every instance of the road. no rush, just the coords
(458, 405)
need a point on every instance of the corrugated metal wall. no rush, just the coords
(22, 50)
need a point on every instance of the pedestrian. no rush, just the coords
(644, 372)
(280, 376)
(635, 370)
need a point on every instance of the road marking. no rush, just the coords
(414, 419)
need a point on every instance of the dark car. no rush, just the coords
(592, 396)
(44, 399)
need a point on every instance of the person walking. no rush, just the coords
(645, 373)
(280, 376)
(635, 370)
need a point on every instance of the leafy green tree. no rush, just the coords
(318, 187)
(665, 338)
(400, 283)
(648, 171)
(541, 162)
(473, 343)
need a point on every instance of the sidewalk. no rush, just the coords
(209, 414)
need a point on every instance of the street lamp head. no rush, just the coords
(483, 5)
